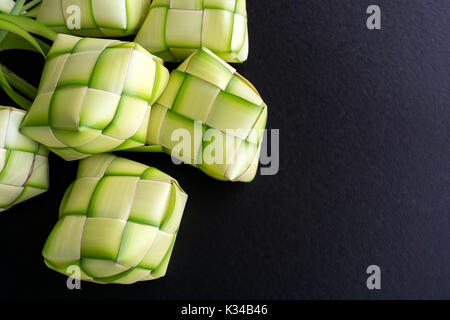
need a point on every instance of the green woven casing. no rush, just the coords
(208, 90)
(23, 162)
(95, 96)
(174, 29)
(117, 222)
(6, 5)
(98, 18)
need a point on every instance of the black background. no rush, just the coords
(364, 178)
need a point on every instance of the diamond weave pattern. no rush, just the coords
(95, 96)
(206, 97)
(174, 29)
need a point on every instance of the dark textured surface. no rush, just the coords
(364, 118)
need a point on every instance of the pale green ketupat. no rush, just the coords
(117, 222)
(6, 5)
(221, 113)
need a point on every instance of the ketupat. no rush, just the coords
(117, 222)
(99, 18)
(6, 5)
(208, 90)
(174, 29)
(23, 162)
(16, 33)
(95, 96)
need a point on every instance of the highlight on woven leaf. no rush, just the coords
(97, 18)
(117, 222)
(95, 96)
(6, 6)
(208, 99)
(23, 162)
(174, 29)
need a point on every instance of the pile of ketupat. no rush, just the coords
(119, 219)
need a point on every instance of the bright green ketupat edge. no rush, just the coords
(117, 223)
